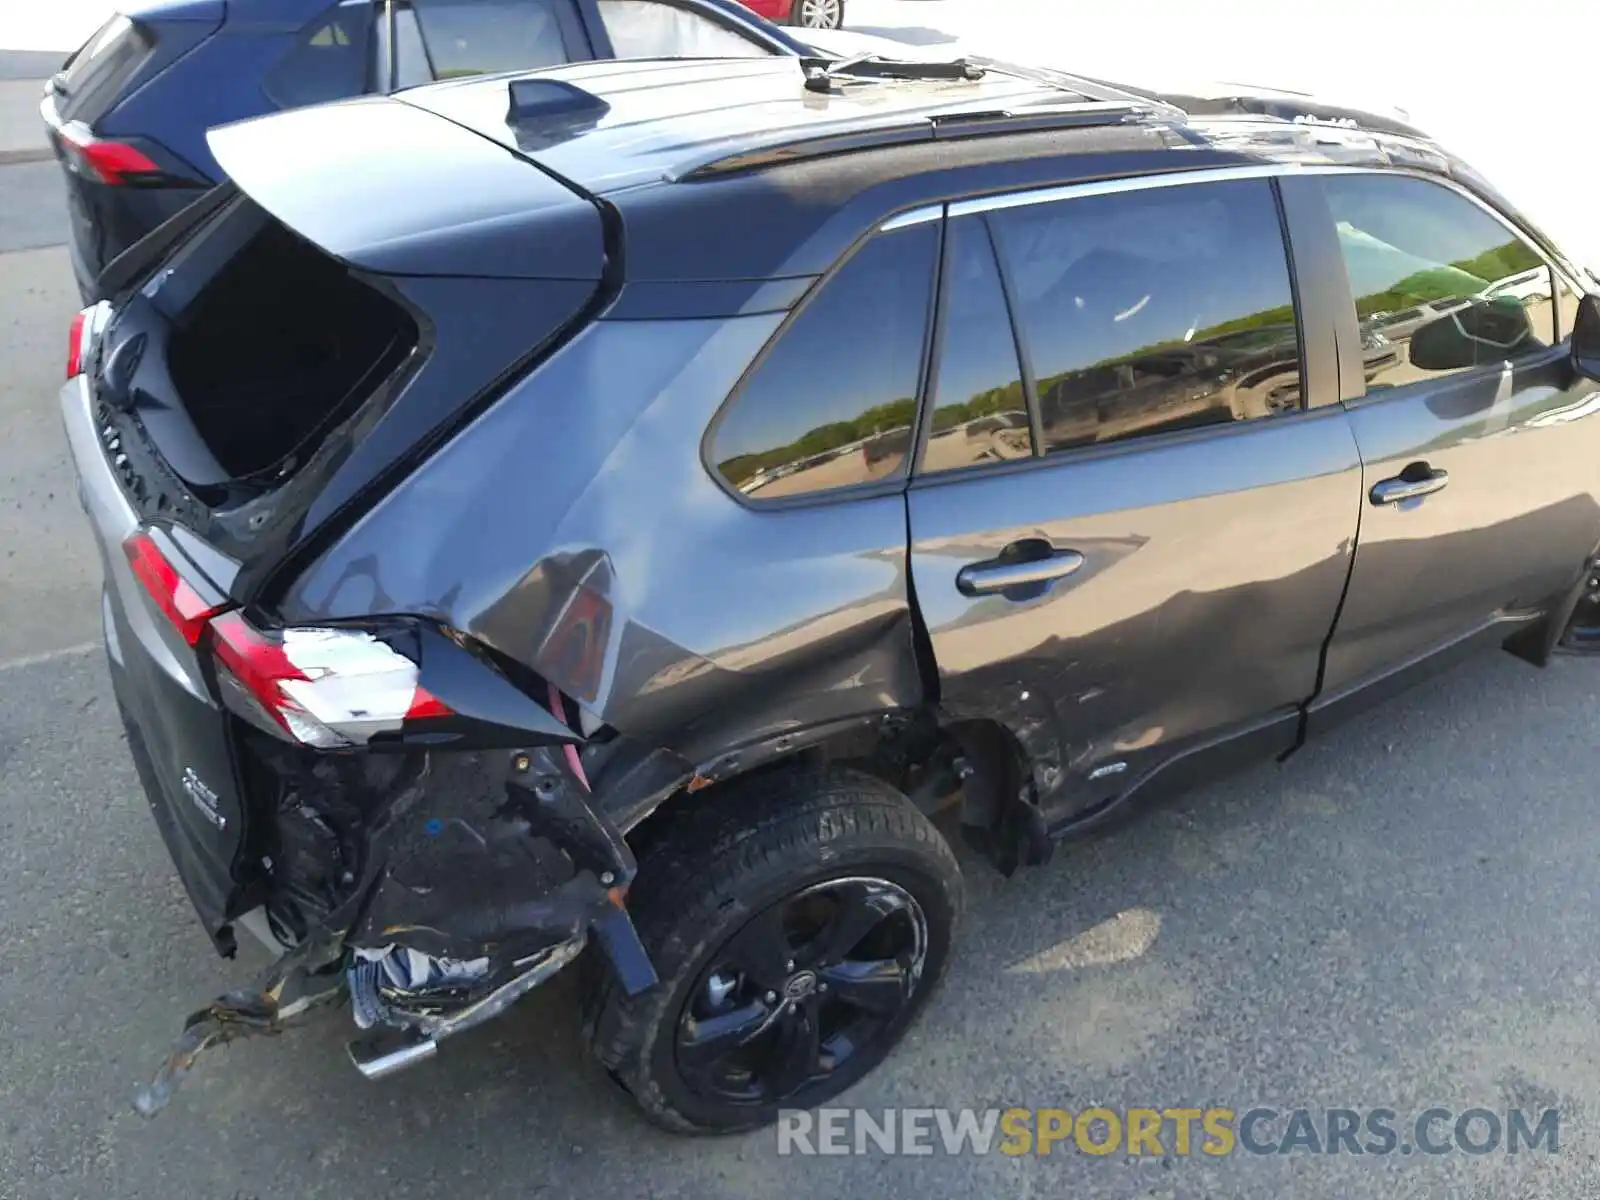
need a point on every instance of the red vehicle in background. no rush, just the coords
(811, 14)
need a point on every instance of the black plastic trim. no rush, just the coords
(1008, 289)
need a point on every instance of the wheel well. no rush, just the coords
(975, 768)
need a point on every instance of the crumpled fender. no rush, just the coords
(574, 529)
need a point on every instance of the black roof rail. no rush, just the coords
(1031, 117)
(782, 147)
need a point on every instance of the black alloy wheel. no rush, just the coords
(806, 986)
(798, 920)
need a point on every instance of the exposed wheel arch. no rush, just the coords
(975, 766)
(714, 870)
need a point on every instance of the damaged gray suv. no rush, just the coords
(605, 515)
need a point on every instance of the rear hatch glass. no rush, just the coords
(94, 77)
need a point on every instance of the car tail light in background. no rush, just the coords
(176, 599)
(107, 161)
(321, 687)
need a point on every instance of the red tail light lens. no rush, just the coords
(328, 688)
(109, 162)
(321, 687)
(178, 601)
(75, 343)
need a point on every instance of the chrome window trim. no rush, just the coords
(914, 216)
(1137, 183)
(1140, 183)
(1108, 187)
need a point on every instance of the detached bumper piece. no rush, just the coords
(291, 987)
(481, 906)
(406, 1039)
(487, 877)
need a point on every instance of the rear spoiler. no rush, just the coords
(391, 188)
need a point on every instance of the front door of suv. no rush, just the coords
(1136, 502)
(1480, 440)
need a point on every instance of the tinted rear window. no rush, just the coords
(1151, 312)
(834, 403)
(480, 37)
(328, 60)
(95, 77)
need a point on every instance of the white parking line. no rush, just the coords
(33, 660)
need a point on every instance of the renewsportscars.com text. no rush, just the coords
(1179, 1132)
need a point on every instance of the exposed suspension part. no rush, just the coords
(1582, 634)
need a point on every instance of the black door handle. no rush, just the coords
(1044, 564)
(1418, 479)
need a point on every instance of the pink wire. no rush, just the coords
(573, 761)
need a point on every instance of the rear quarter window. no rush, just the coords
(833, 402)
(94, 78)
(328, 61)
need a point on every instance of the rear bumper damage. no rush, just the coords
(483, 875)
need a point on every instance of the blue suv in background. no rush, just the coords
(128, 112)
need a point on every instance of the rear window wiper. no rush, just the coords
(820, 72)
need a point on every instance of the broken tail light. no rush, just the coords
(173, 595)
(327, 688)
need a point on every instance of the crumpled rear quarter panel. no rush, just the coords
(574, 528)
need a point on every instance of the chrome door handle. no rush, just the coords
(1418, 479)
(999, 575)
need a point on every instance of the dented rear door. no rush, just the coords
(1132, 522)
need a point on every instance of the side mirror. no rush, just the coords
(1483, 331)
(1586, 338)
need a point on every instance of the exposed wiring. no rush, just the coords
(559, 708)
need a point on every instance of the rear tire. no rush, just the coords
(744, 903)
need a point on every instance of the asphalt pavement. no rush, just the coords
(1403, 916)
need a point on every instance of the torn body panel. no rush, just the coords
(455, 862)
(725, 628)
(1209, 583)
(489, 868)
(464, 865)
